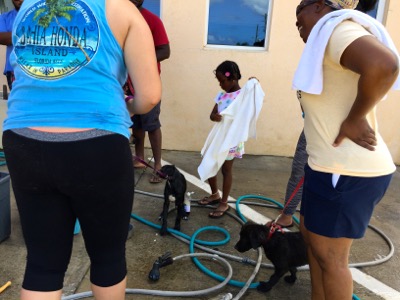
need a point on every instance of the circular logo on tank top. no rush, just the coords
(56, 39)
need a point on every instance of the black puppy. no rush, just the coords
(286, 251)
(175, 189)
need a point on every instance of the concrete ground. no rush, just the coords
(264, 176)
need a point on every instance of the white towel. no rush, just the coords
(308, 76)
(238, 124)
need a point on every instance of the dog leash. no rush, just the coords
(274, 227)
(161, 174)
(298, 186)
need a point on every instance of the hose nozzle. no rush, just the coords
(162, 261)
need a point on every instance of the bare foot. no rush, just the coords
(138, 165)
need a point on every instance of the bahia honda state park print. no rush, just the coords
(55, 38)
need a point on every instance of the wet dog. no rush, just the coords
(175, 189)
(286, 250)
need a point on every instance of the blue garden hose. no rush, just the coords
(296, 220)
(224, 231)
(77, 227)
(207, 271)
(200, 242)
(223, 242)
(2, 162)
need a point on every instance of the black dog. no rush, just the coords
(175, 189)
(286, 251)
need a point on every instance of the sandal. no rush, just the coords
(216, 214)
(276, 221)
(207, 201)
(155, 178)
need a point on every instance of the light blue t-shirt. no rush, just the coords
(69, 69)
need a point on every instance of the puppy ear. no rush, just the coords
(262, 237)
(255, 240)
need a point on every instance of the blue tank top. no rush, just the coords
(69, 68)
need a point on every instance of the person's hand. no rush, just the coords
(216, 117)
(357, 131)
(129, 101)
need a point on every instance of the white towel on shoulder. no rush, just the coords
(309, 73)
(238, 124)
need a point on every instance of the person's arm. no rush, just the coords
(163, 52)
(215, 116)
(160, 38)
(131, 30)
(142, 67)
(5, 38)
(378, 67)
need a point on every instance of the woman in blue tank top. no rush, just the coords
(66, 137)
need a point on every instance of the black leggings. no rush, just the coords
(56, 182)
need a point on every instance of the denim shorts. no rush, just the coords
(341, 210)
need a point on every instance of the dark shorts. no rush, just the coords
(149, 121)
(344, 210)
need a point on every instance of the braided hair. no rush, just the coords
(229, 69)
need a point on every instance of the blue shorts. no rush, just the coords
(149, 121)
(341, 211)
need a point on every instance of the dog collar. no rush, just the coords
(274, 227)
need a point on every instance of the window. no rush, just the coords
(153, 6)
(238, 22)
(378, 11)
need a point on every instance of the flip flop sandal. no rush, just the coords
(206, 201)
(155, 178)
(268, 224)
(216, 214)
